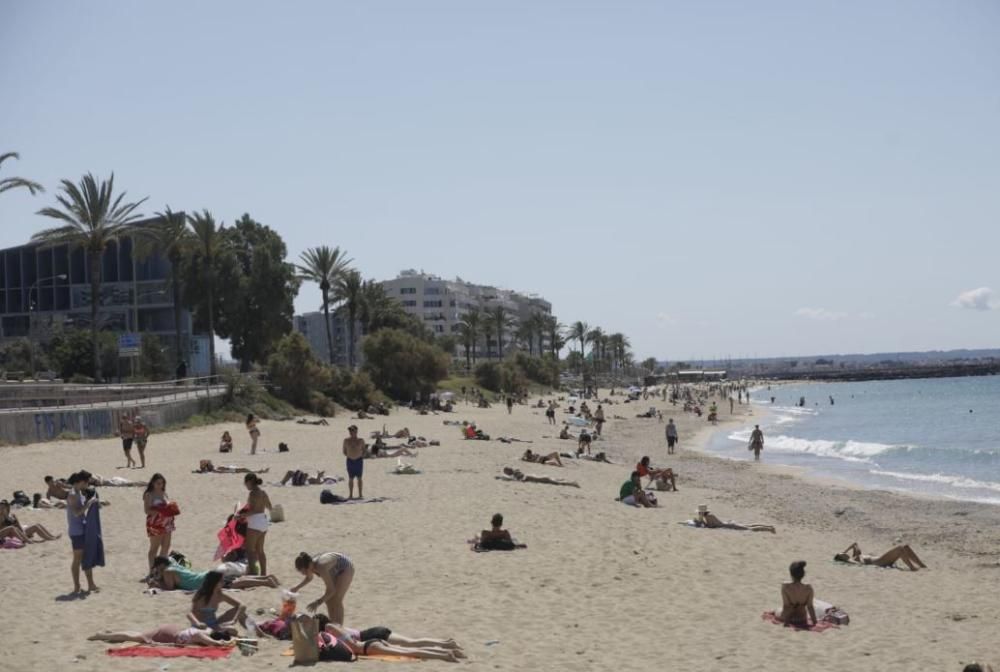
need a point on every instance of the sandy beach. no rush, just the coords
(601, 585)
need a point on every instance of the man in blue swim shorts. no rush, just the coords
(354, 451)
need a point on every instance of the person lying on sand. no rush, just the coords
(315, 638)
(9, 521)
(206, 467)
(379, 450)
(517, 475)
(664, 478)
(707, 519)
(541, 459)
(888, 559)
(278, 628)
(57, 489)
(170, 575)
(304, 421)
(115, 482)
(169, 635)
(303, 478)
(632, 494)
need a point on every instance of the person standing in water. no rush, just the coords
(354, 451)
(671, 436)
(756, 442)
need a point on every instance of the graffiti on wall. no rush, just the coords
(87, 424)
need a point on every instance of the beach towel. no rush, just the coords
(821, 626)
(229, 539)
(370, 500)
(387, 658)
(93, 542)
(146, 651)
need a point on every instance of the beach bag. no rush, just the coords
(282, 447)
(651, 497)
(277, 513)
(327, 497)
(20, 499)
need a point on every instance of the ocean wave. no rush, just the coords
(944, 479)
(849, 451)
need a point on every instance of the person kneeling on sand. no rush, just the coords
(664, 478)
(631, 493)
(707, 519)
(888, 559)
(517, 475)
(541, 459)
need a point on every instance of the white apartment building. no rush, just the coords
(312, 327)
(443, 303)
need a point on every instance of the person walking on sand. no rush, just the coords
(125, 432)
(510, 404)
(254, 433)
(550, 413)
(756, 442)
(354, 451)
(671, 436)
(599, 418)
(141, 433)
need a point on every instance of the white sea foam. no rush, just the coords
(944, 479)
(849, 451)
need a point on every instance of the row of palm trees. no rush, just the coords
(608, 352)
(489, 324)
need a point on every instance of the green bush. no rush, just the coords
(295, 372)
(153, 362)
(403, 366)
(71, 353)
(489, 377)
(541, 370)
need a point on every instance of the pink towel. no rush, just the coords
(822, 626)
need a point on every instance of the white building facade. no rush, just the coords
(442, 304)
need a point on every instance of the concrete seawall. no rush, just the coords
(89, 423)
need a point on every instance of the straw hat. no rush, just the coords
(702, 508)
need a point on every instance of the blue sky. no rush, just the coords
(712, 178)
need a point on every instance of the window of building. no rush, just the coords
(407, 290)
(433, 304)
(432, 290)
(408, 303)
(439, 328)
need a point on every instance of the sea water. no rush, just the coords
(938, 437)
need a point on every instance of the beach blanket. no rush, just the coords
(821, 626)
(145, 651)
(93, 542)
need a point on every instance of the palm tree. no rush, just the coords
(554, 330)
(17, 182)
(468, 342)
(526, 334)
(375, 304)
(208, 241)
(348, 290)
(472, 323)
(324, 266)
(92, 218)
(170, 236)
(578, 332)
(500, 321)
(595, 337)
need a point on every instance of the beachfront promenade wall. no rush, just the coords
(160, 406)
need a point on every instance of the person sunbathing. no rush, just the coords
(279, 628)
(170, 575)
(303, 478)
(168, 635)
(303, 421)
(598, 457)
(379, 450)
(206, 467)
(57, 489)
(315, 638)
(9, 521)
(496, 538)
(564, 432)
(517, 475)
(664, 478)
(797, 598)
(632, 494)
(888, 559)
(541, 459)
(362, 416)
(707, 519)
(115, 482)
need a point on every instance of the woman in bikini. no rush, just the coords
(541, 459)
(170, 575)
(159, 517)
(797, 598)
(141, 433)
(258, 504)
(888, 559)
(168, 635)
(336, 570)
(9, 521)
(317, 638)
(254, 433)
(125, 432)
(205, 607)
(226, 443)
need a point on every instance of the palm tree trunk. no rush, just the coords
(468, 358)
(211, 330)
(350, 336)
(326, 320)
(499, 342)
(95, 299)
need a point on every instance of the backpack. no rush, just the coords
(20, 499)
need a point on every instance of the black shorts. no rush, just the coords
(126, 443)
(671, 440)
(378, 632)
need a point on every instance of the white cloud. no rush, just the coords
(981, 298)
(821, 314)
(665, 320)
